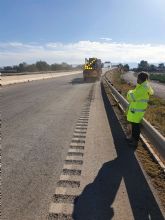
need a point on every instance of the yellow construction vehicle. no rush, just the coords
(92, 69)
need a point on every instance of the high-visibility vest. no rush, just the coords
(138, 101)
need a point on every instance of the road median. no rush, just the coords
(8, 80)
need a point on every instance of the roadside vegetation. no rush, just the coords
(39, 66)
(150, 68)
(158, 77)
(155, 113)
(156, 72)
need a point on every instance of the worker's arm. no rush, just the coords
(150, 91)
(149, 88)
(130, 96)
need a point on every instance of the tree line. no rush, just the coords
(37, 67)
(145, 66)
(156, 72)
(124, 68)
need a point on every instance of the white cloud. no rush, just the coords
(15, 52)
(53, 45)
(106, 38)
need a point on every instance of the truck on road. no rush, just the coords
(92, 69)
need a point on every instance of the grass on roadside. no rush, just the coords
(158, 77)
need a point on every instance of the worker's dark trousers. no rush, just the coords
(135, 131)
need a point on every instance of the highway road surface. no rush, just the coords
(38, 119)
(159, 88)
(64, 155)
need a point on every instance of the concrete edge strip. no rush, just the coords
(34, 79)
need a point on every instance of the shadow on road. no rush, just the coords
(96, 200)
(77, 81)
(81, 81)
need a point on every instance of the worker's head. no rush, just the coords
(142, 77)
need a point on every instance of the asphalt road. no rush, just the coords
(159, 88)
(38, 119)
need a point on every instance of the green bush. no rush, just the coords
(158, 77)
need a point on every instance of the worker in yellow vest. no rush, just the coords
(138, 101)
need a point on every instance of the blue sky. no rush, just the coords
(68, 30)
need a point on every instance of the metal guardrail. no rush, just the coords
(150, 132)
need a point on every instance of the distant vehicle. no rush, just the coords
(107, 64)
(92, 69)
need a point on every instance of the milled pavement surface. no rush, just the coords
(109, 183)
(38, 120)
(65, 156)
